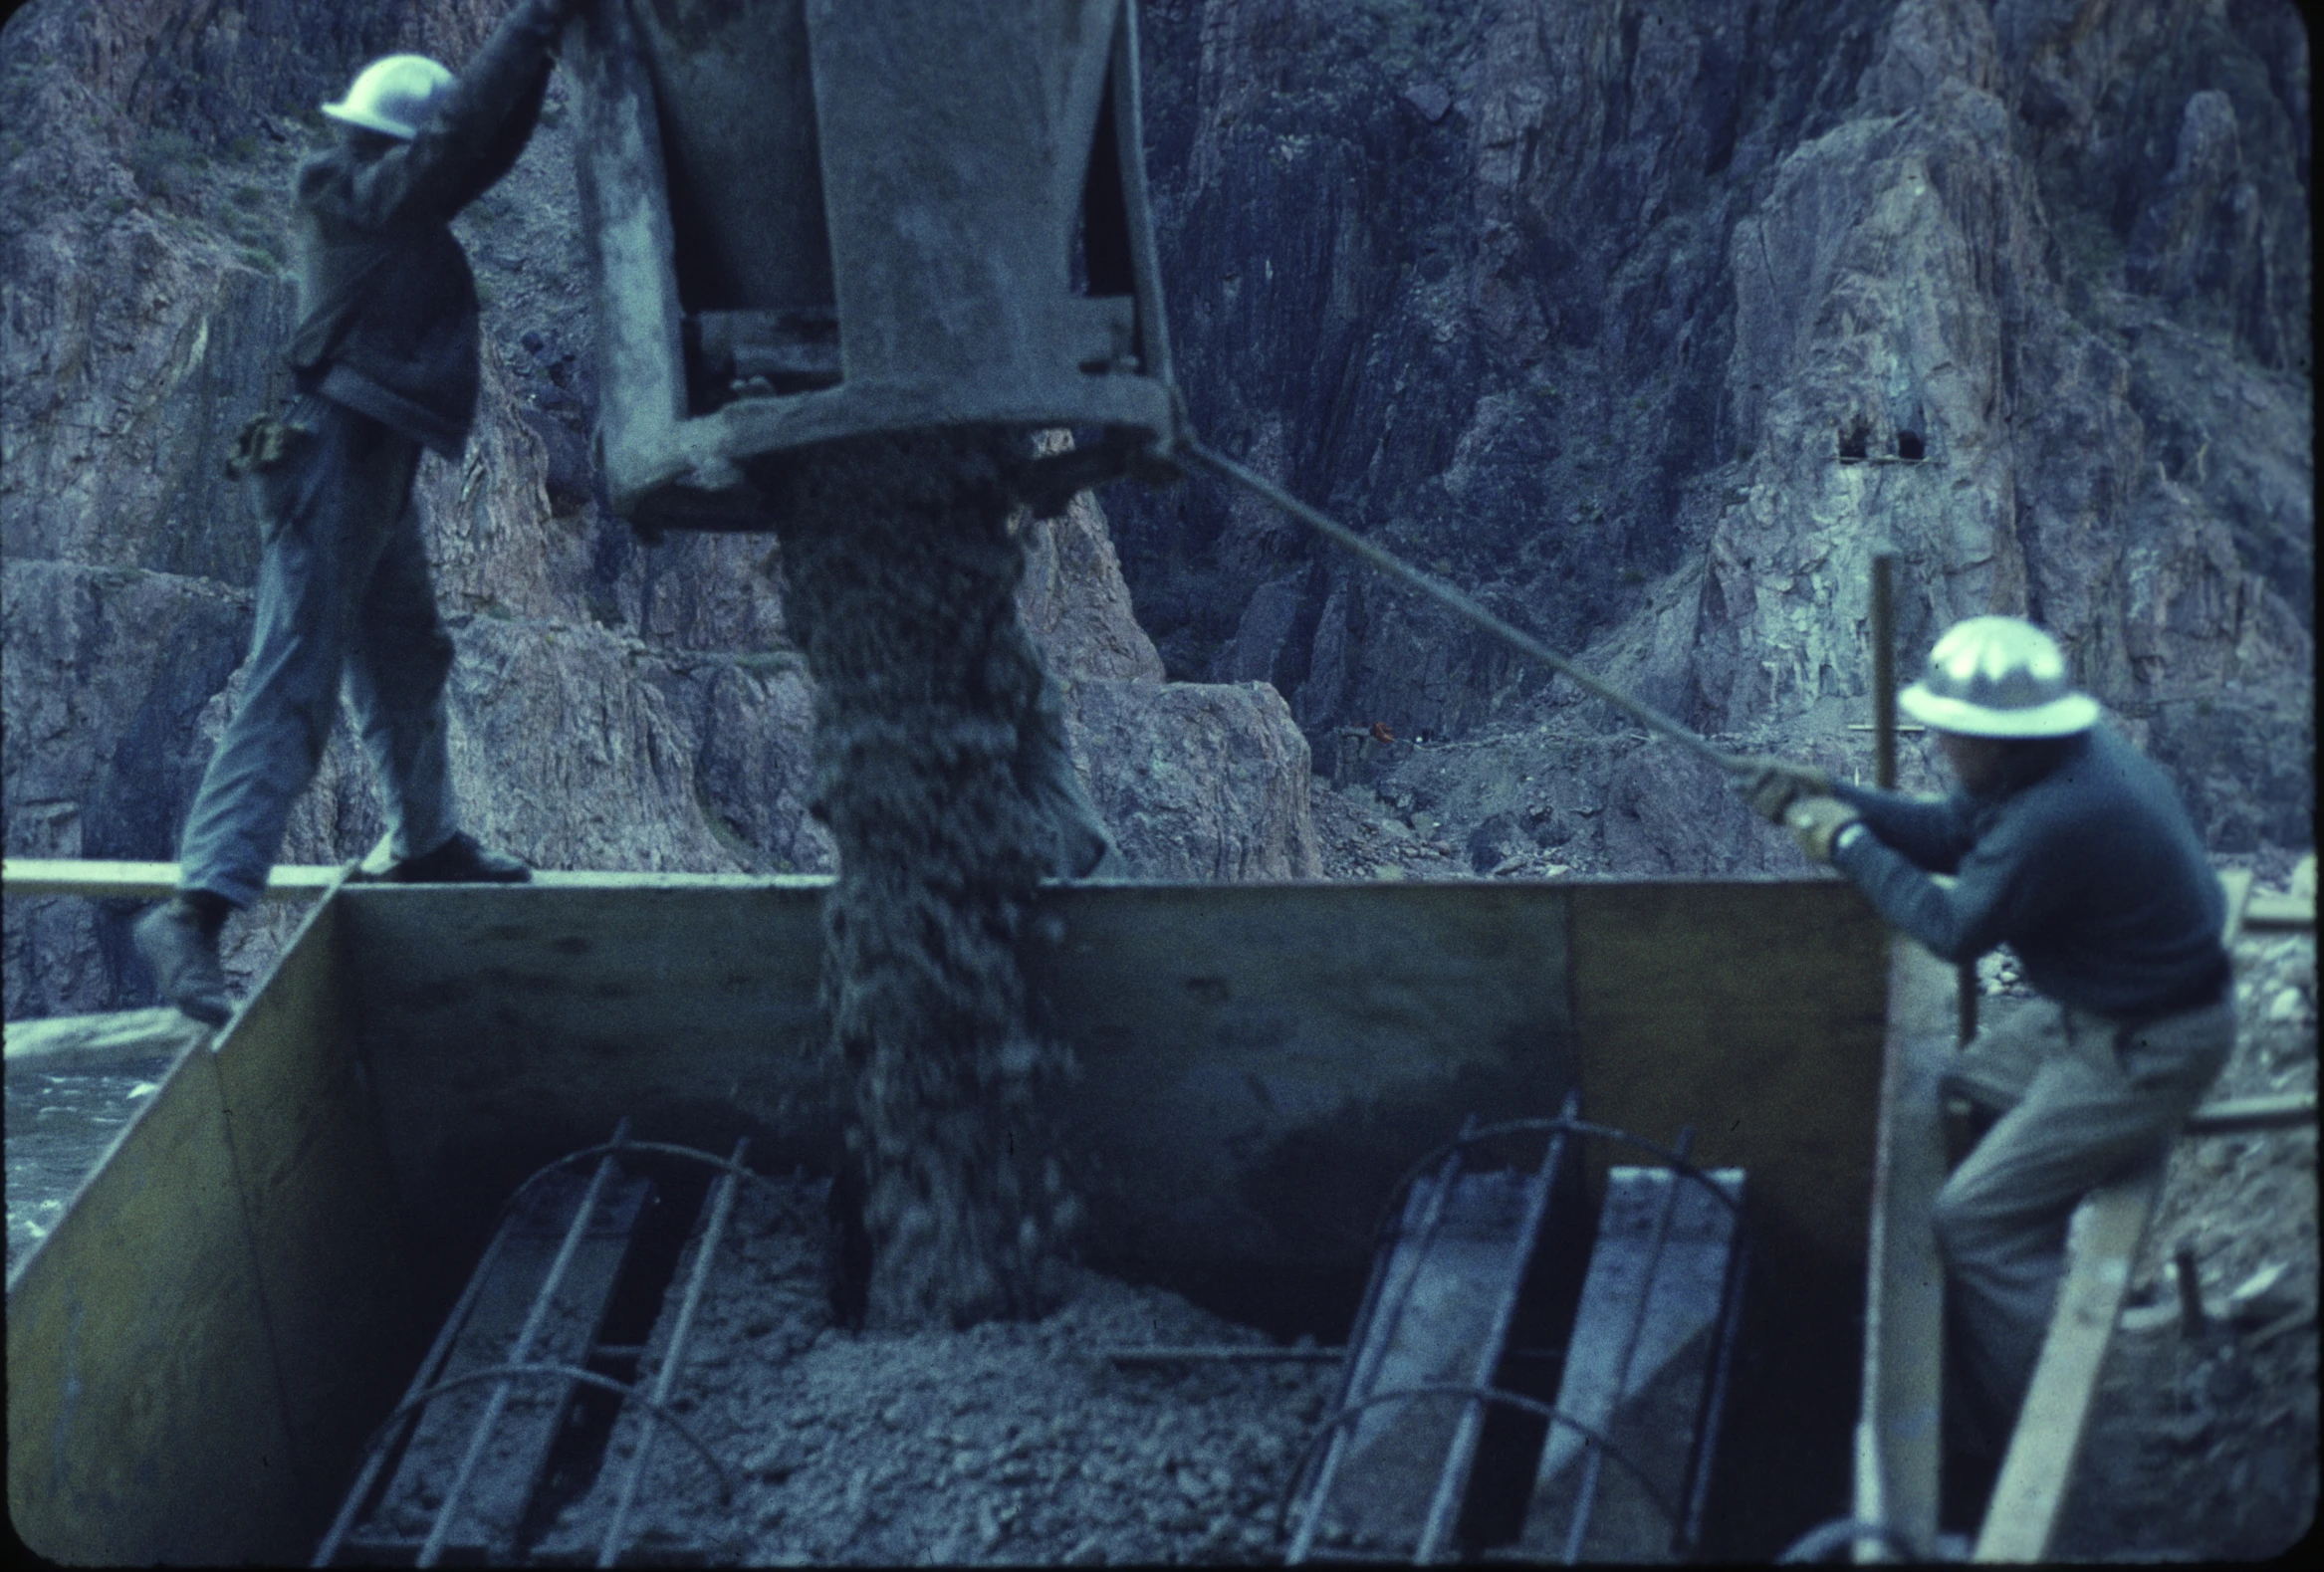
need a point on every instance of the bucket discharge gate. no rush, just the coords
(810, 220)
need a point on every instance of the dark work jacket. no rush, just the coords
(2092, 873)
(386, 304)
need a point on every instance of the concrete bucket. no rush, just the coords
(812, 221)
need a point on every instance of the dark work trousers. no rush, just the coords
(342, 590)
(2082, 1099)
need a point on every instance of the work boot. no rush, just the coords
(181, 943)
(459, 860)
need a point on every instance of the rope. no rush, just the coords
(1460, 604)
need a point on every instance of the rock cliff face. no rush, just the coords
(613, 707)
(1584, 305)
(1581, 304)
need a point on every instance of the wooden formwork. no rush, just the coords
(238, 1291)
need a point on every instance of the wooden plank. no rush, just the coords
(1261, 1062)
(2279, 911)
(144, 1415)
(144, 881)
(2047, 1442)
(105, 1041)
(1754, 1011)
(504, 1025)
(153, 881)
(2239, 1115)
(1899, 1441)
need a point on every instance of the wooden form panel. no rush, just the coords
(504, 1025)
(1260, 1063)
(197, 1348)
(1754, 1012)
(328, 1239)
(144, 1415)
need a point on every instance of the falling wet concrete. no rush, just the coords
(943, 776)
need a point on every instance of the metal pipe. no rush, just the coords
(674, 1356)
(520, 1353)
(1593, 1459)
(1364, 1366)
(1452, 599)
(1884, 670)
(1453, 1480)
(1225, 1353)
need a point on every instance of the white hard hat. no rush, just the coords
(1998, 677)
(393, 96)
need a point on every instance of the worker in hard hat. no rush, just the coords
(384, 364)
(2071, 848)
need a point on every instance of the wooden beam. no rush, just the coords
(2039, 1466)
(96, 1043)
(2239, 1115)
(153, 881)
(142, 881)
(1897, 1435)
(2280, 910)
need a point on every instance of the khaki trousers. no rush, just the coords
(2082, 1099)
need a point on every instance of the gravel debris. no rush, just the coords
(1012, 1442)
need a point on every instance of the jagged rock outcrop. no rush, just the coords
(613, 706)
(1581, 304)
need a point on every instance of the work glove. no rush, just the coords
(1816, 820)
(1774, 783)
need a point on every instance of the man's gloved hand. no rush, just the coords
(1774, 784)
(1816, 820)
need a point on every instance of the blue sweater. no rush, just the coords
(2092, 873)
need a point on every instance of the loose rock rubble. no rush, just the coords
(1015, 1441)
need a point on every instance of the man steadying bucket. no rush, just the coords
(2073, 849)
(386, 361)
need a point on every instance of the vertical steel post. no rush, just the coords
(1884, 670)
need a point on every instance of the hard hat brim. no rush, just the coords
(365, 120)
(2060, 716)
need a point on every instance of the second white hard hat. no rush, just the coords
(393, 96)
(1997, 676)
